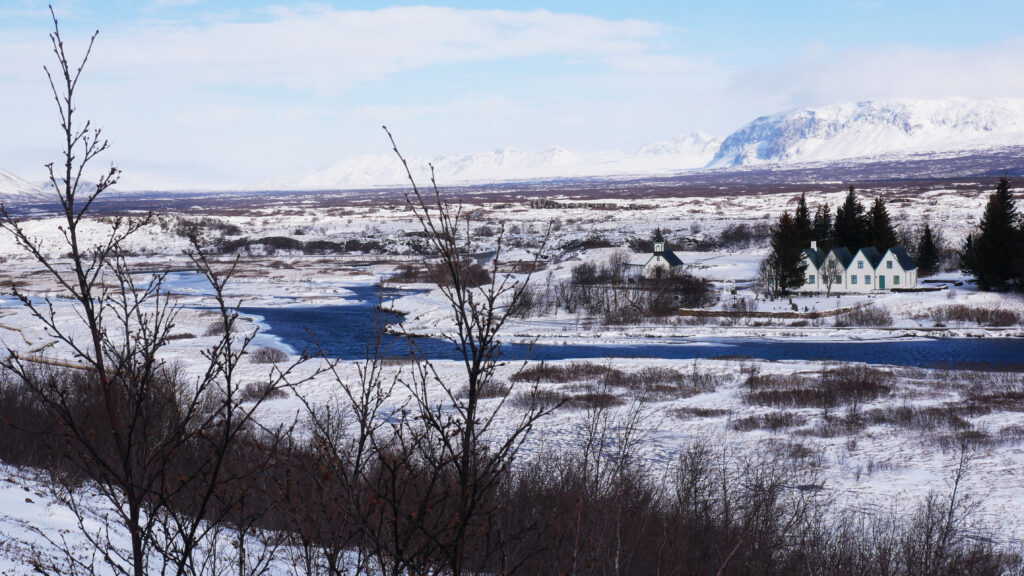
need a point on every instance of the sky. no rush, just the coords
(236, 94)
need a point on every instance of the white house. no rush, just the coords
(826, 272)
(813, 260)
(841, 271)
(861, 276)
(896, 270)
(663, 263)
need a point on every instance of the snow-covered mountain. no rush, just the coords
(848, 131)
(14, 190)
(683, 153)
(874, 128)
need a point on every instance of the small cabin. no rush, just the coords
(663, 263)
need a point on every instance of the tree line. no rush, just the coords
(994, 253)
(852, 226)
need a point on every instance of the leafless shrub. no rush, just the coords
(834, 387)
(832, 425)
(687, 412)
(927, 418)
(474, 274)
(652, 382)
(1011, 435)
(550, 399)
(564, 372)
(215, 328)
(870, 316)
(490, 389)
(259, 391)
(268, 355)
(980, 315)
(773, 421)
(972, 440)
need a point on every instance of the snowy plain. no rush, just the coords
(878, 467)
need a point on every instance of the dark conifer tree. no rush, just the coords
(850, 224)
(823, 227)
(881, 233)
(802, 220)
(989, 255)
(787, 250)
(927, 253)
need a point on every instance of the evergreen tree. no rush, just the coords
(927, 253)
(802, 220)
(787, 250)
(968, 255)
(823, 226)
(881, 234)
(849, 228)
(990, 256)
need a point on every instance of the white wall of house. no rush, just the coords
(862, 277)
(812, 278)
(842, 280)
(892, 276)
(657, 263)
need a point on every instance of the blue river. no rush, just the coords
(345, 331)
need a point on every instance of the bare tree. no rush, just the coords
(157, 452)
(465, 451)
(830, 272)
(768, 277)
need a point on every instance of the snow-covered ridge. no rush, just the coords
(685, 152)
(872, 128)
(14, 190)
(841, 131)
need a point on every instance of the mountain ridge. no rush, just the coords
(872, 128)
(842, 131)
(16, 190)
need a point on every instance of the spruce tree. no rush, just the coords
(880, 231)
(990, 255)
(802, 220)
(787, 251)
(968, 255)
(927, 253)
(850, 224)
(823, 227)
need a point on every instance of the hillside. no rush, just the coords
(873, 128)
(14, 190)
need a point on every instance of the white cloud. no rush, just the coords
(227, 100)
(821, 76)
(331, 51)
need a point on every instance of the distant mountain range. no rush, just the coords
(849, 132)
(14, 190)
(683, 153)
(873, 128)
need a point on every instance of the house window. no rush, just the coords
(810, 279)
(860, 265)
(889, 264)
(895, 280)
(867, 279)
(853, 278)
(839, 279)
